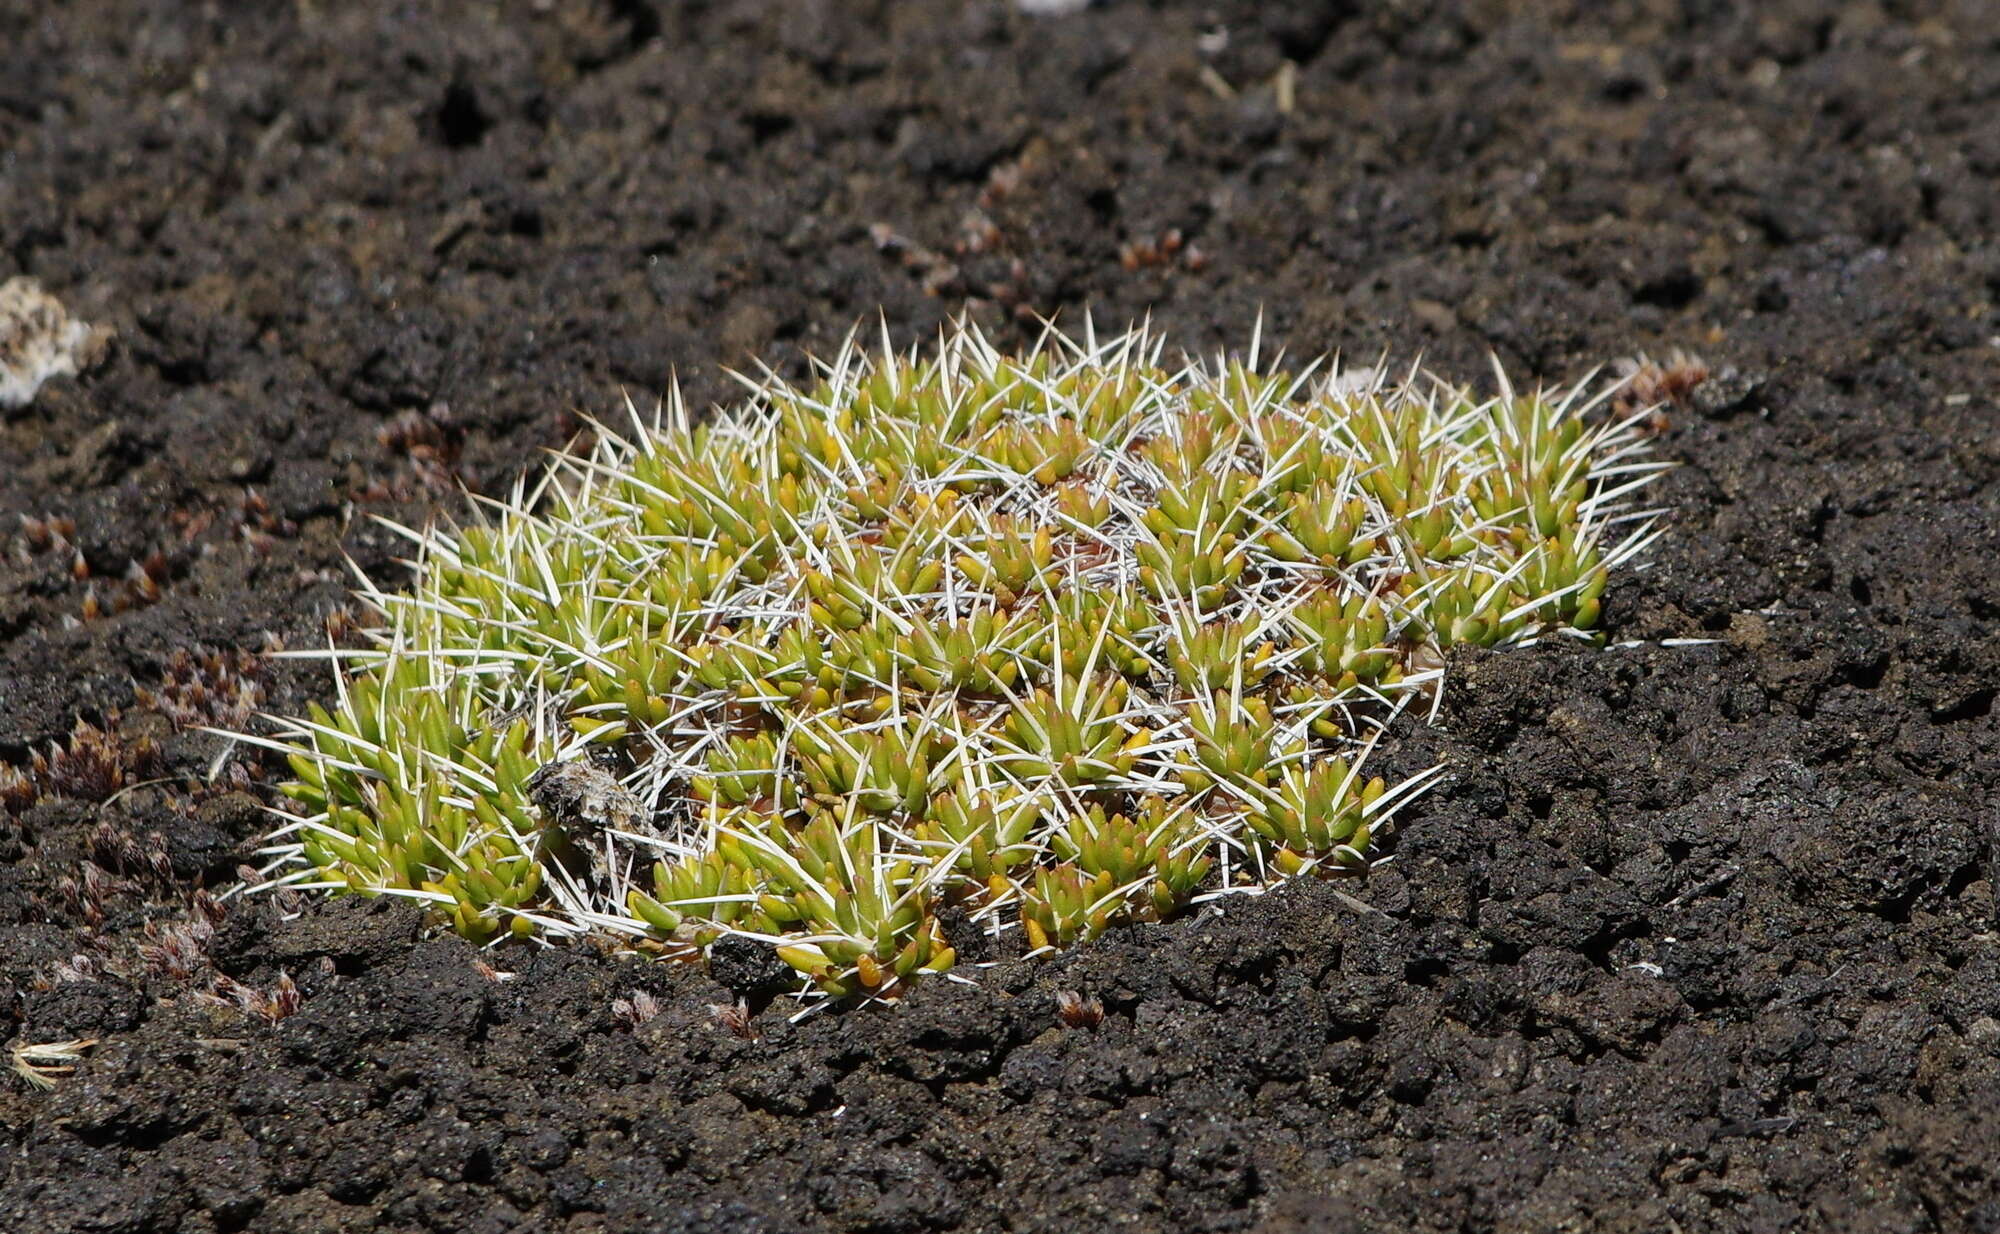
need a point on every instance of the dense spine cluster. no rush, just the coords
(1064, 639)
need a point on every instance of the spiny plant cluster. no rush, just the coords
(1062, 640)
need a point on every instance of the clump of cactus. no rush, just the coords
(1054, 641)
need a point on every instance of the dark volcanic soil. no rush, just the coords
(1697, 937)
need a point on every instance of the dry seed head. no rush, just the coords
(735, 1019)
(636, 1008)
(1059, 640)
(42, 1064)
(1076, 1011)
(277, 1004)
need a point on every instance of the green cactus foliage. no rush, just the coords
(1060, 640)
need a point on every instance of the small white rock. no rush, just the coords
(40, 340)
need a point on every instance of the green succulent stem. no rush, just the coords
(1059, 640)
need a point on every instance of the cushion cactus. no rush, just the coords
(1062, 639)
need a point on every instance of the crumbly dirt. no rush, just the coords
(1697, 936)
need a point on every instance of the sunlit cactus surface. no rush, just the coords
(1048, 643)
